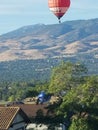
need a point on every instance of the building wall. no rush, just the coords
(18, 123)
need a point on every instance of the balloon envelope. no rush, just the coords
(59, 7)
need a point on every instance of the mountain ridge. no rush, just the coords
(44, 41)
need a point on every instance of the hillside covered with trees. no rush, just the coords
(40, 70)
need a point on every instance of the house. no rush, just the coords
(13, 118)
(38, 113)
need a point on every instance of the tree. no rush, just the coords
(12, 98)
(66, 76)
(79, 124)
(81, 104)
(79, 108)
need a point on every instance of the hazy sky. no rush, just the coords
(17, 13)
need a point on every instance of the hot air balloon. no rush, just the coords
(59, 7)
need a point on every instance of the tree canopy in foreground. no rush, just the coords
(79, 108)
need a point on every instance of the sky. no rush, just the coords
(18, 13)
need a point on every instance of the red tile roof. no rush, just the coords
(7, 115)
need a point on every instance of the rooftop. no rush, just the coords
(7, 115)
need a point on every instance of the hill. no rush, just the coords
(34, 45)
